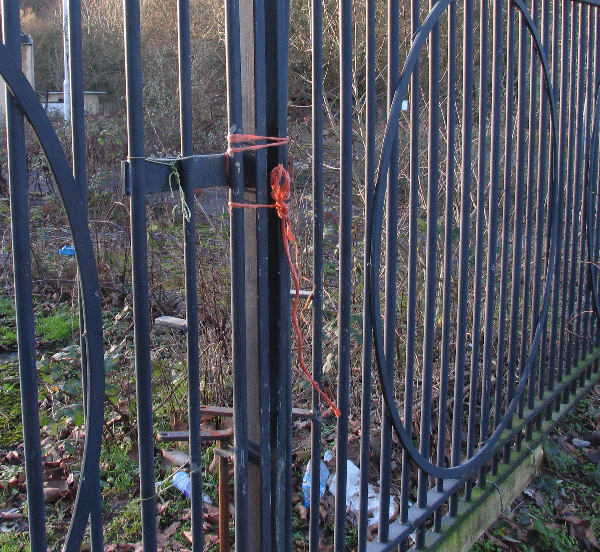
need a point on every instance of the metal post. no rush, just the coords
(135, 131)
(66, 51)
(276, 63)
(19, 206)
(238, 291)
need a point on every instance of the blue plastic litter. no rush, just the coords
(67, 251)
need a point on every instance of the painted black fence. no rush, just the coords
(478, 173)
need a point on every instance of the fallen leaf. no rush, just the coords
(11, 456)
(56, 492)
(302, 511)
(212, 513)
(211, 538)
(536, 495)
(590, 536)
(172, 529)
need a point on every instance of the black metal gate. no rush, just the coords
(479, 309)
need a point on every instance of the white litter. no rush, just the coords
(353, 495)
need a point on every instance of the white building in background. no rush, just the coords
(54, 102)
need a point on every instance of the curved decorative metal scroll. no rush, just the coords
(74, 206)
(591, 176)
(374, 251)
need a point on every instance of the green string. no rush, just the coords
(174, 175)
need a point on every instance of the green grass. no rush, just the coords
(13, 542)
(60, 326)
(10, 405)
(8, 333)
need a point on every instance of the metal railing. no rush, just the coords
(480, 248)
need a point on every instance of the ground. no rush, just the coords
(560, 509)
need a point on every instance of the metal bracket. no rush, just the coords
(199, 171)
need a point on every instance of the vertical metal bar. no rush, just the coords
(252, 30)
(586, 332)
(515, 289)
(564, 364)
(223, 504)
(317, 302)
(19, 207)
(554, 367)
(527, 310)
(574, 315)
(595, 166)
(78, 145)
(367, 353)
(79, 164)
(584, 283)
(276, 54)
(411, 306)
(594, 68)
(465, 211)
(448, 253)
(191, 292)
(391, 257)
(544, 174)
(431, 264)
(262, 245)
(581, 151)
(135, 131)
(77, 105)
(506, 212)
(238, 296)
(480, 231)
(495, 160)
(345, 268)
(584, 296)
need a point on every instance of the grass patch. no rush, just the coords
(58, 327)
(11, 430)
(8, 332)
(13, 542)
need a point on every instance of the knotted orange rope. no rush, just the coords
(280, 192)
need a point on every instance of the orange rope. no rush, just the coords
(240, 138)
(281, 194)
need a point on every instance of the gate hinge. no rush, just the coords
(199, 171)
